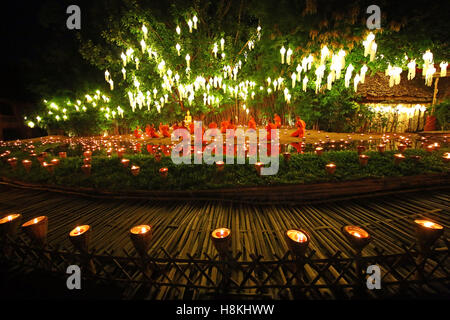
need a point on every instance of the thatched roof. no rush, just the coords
(376, 89)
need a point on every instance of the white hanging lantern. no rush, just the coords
(443, 67)
(282, 52)
(411, 69)
(288, 56)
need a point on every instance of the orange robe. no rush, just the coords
(164, 129)
(277, 121)
(252, 124)
(212, 125)
(269, 127)
(223, 126)
(137, 133)
(300, 132)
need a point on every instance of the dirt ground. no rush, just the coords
(311, 136)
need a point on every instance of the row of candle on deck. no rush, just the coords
(427, 233)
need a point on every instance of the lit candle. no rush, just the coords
(221, 233)
(163, 172)
(356, 232)
(398, 158)
(27, 165)
(446, 157)
(428, 224)
(363, 160)
(331, 168)
(282, 52)
(79, 230)
(135, 170)
(12, 162)
(258, 166)
(319, 151)
(9, 218)
(220, 165)
(55, 162)
(86, 169)
(381, 148)
(87, 160)
(297, 236)
(125, 162)
(141, 229)
(63, 155)
(402, 147)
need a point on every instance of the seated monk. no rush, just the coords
(252, 123)
(277, 120)
(153, 133)
(269, 127)
(191, 127)
(175, 126)
(301, 128)
(164, 129)
(231, 125)
(137, 132)
(223, 126)
(212, 125)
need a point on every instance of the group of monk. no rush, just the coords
(151, 132)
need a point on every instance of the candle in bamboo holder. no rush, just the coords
(163, 172)
(87, 161)
(87, 154)
(331, 168)
(436, 146)
(357, 236)
(158, 157)
(220, 165)
(319, 151)
(398, 158)
(86, 168)
(381, 148)
(258, 166)
(429, 148)
(287, 156)
(446, 157)
(63, 155)
(55, 162)
(27, 164)
(427, 232)
(221, 239)
(125, 162)
(80, 237)
(49, 167)
(297, 241)
(363, 160)
(401, 147)
(120, 152)
(135, 170)
(109, 152)
(13, 162)
(140, 237)
(37, 229)
(10, 224)
(415, 158)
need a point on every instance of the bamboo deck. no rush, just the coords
(183, 228)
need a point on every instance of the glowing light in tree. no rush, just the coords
(305, 83)
(363, 74)
(288, 56)
(411, 69)
(282, 52)
(178, 30)
(195, 19)
(348, 75)
(178, 47)
(144, 31)
(222, 44)
(443, 67)
(324, 53)
(190, 25)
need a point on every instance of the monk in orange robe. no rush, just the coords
(269, 127)
(137, 132)
(164, 129)
(277, 120)
(231, 125)
(223, 126)
(212, 125)
(153, 133)
(301, 128)
(191, 127)
(252, 123)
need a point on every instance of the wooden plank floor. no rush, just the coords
(184, 227)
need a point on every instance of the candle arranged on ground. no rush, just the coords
(120, 152)
(319, 151)
(125, 162)
(87, 160)
(287, 156)
(356, 232)
(63, 155)
(381, 148)
(135, 170)
(220, 165)
(141, 229)
(163, 172)
(86, 168)
(77, 231)
(12, 162)
(363, 159)
(258, 166)
(48, 166)
(398, 158)
(331, 168)
(87, 154)
(221, 233)
(429, 148)
(401, 147)
(9, 218)
(34, 221)
(297, 235)
(428, 224)
(436, 146)
(27, 164)
(36, 229)
(446, 157)
(55, 162)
